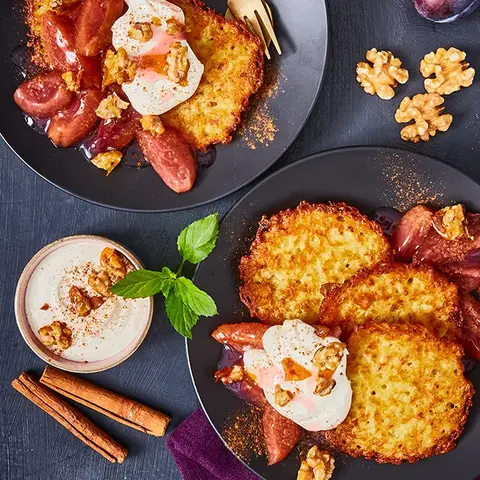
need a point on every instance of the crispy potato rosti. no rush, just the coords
(394, 293)
(233, 61)
(410, 398)
(297, 251)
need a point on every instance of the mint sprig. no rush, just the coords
(184, 301)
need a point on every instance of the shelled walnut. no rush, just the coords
(100, 282)
(446, 71)
(111, 107)
(282, 397)
(328, 358)
(178, 64)
(57, 334)
(72, 80)
(141, 31)
(112, 261)
(80, 302)
(383, 75)
(229, 375)
(118, 68)
(152, 124)
(451, 222)
(107, 160)
(426, 112)
(319, 465)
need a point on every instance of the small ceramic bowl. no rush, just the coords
(142, 323)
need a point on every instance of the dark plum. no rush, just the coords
(387, 217)
(207, 158)
(445, 10)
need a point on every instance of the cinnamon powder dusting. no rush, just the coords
(259, 125)
(408, 187)
(243, 433)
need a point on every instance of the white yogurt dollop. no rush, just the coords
(152, 92)
(100, 335)
(299, 341)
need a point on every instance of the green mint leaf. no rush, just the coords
(197, 300)
(180, 315)
(169, 282)
(142, 283)
(196, 242)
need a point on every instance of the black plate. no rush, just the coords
(366, 177)
(302, 31)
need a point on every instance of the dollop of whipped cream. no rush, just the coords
(298, 342)
(151, 92)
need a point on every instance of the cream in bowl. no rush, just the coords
(66, 312)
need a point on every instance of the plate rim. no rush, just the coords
(294, 164)
(321, 79)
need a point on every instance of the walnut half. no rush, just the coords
(319, 465)
(152, 124)
(328, 358)
(111, 107)
(101, 283)
(383, 75)
(107, 160)
(282, 397)
(178, 64)
(118, 68)
(446, 71)
(57, 334)
(451, 222)
(112, 261)
(229, 375)
(426, 112)
(80, 301)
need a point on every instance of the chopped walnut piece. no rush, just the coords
(118, 68)
(426, 111)
(446, 71)
(152, 124)
(174, 26)
(101, 283)
(178, 64)
(96, 302)
(451, 222)
(282, 397)
(141, 31)
(111, 107)
(229, 375)
(57, 334)
(294, 372)
(113, 262)
(107, 160)
(79, 301)
(385, 74)
(324, 386)
(319, 465)
(72, 80)
(328, 358)
(156, 21)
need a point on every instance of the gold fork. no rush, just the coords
(256, 14)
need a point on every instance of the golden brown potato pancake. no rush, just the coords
(297, 251)
(410, 398)
(233, 61)
(393, 293)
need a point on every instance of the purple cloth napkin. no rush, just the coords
(201, 455)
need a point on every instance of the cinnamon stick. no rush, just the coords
(122, 409)
(68, 416)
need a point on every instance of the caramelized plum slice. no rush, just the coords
(281, 435)
(171, 157)
(95, 20)
(241, 336)
(470, 317)
(77, 121)
(113, 134)
(445, 10)
(411, 231)
(58, 41)
(43, 96)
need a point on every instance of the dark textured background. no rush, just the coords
(33, 213)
